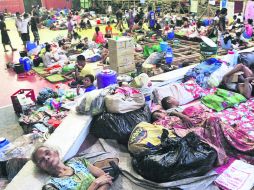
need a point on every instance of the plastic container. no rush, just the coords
(98, 21)
(171, 35)
(3, 142)
(106, 78)
(206, 22)
(164, 46)
(26, 62)
(148, 101)
(169, 56)
(30, 46)
(207, 51)
(232, 58)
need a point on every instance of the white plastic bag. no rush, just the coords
(238, 176)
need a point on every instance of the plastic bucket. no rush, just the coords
(164, 46)
(207, 51)
(171, 35)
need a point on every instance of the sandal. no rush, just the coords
(14, 49)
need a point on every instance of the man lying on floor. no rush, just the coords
(244, 83)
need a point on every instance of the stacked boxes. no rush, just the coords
(121, 55)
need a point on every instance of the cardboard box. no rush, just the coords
(124, 69)
(123, 52)
(121, 60)
(121, 43)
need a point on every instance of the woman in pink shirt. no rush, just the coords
(248, 29)
(98, 36)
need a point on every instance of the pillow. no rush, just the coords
(176, 90)
(192, 87)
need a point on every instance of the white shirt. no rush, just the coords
(47, 59)
(24, 26)
(18, 23)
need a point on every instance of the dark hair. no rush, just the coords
(1, 17)
(97, 29)
(227, 38)
(250, 21)
(69, 17)
(153, 117)
(108, 22)
(91, 77)
(17, 13)
(25, 15)
(217, 13)
(48, 46)
(199, 24)
(81, 58)
(165, 104)
(234, 17)
(150, 8)
(223, 11)
(238, 20)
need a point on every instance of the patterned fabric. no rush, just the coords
(80, 180)
(238, 125)
(206, 127)
(202, 72)
(192, 87)
(222, 99)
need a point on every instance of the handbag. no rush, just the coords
(110, 166)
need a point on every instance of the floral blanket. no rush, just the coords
(238, 126)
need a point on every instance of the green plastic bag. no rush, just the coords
(148, 51)
(156, 48)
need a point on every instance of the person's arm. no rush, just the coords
(247, 90)
(186, 120)
(103, 180)
(238, 68)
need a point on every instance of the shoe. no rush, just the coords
(14, 49)
(6, 50)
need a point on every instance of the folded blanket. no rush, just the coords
(222, 99)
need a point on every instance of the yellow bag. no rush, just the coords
(145, 136)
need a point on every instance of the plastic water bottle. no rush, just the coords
(169, 56)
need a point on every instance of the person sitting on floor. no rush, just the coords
(98, 36)
(82, 24)
(226, 41)
(64, 175)
(245, 82)
(50, 59)
(88, 85)
(104, 54)
(81, 70)
(166, 28)
(248, 29)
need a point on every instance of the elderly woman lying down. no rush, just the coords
(74, 174)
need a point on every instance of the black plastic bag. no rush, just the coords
(175, 159)
(119, 126)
